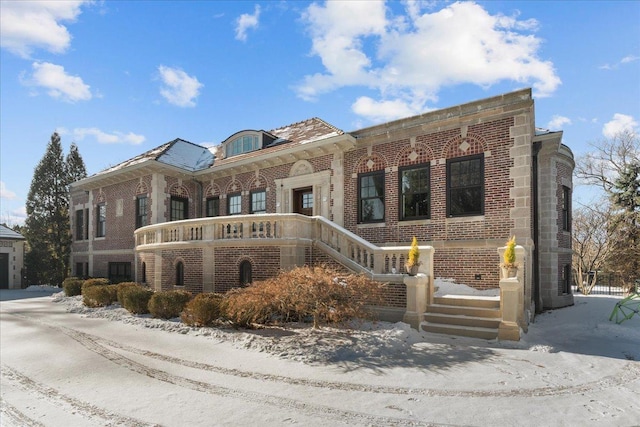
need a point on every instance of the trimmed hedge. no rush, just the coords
(99, 281)
(135, 299)
(202, 310)
(122, 288)
(72, 286)
(168, 304)
(99, 296)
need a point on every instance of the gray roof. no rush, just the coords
(8, 234)
(180, 153)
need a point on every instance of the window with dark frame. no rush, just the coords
(179, 208)
(371, 197)
(80, 224)
(80, 270)
(415, 192)
(258, 201)
(245, 273)
(234, 204)
(86, 223)
(143, 267)
(566, 279)
(101, 220)
(566, 208)
(141, 211)
(179, 273)
(465, 186)
(213, 206)
(119, 272)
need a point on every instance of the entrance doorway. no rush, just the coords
(303, 201)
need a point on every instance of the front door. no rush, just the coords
(303, 201)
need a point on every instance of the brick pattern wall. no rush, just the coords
(265, 263)
(149, 261)
(491, 138)
(192, 262)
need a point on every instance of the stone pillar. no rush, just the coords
(511, 299)
(417, 288)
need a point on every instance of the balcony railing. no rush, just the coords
(356, 252)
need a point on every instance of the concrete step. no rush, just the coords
(465, 331)
(483, 312)
(468, 301)
(462, 320)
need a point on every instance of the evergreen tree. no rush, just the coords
(76, 169)
(47, 224)
(625, 225)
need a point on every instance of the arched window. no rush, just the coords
(180, 273)
(143, 279)
(245, 273)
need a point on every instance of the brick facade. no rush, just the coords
(327, 162)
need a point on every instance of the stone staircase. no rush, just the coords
(477, 317)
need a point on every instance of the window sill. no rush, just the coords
(470, 218)
(414, 221)
(372, 225)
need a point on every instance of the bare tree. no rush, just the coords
(591, 244)
(614, 165)
(609, 160)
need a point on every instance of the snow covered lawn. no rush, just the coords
(66, 365)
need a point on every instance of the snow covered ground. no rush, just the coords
(66, 365)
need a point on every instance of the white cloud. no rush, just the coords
(179, 88)
(58, 83)
(27, 25)
(245, 22)
(408, 59)
(619, 123)
(626, 60)
(6, 193)
(383, 111)
(557, 122)
(114, 137)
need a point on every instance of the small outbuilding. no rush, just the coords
(11, 258)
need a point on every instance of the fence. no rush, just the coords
(608, 284)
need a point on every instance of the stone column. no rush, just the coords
(416, 299)
(511, 295)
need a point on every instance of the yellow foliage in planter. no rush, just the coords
(509, 256)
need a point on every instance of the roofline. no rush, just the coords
(460, 110)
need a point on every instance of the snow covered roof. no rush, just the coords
(180, 153)
(193, 157)
(312, 129)
(8, 234)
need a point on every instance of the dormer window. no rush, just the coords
(247, 141)
(243, 144)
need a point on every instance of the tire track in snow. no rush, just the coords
(630, 372)
(76, 406)
(312, 410)
(11, 415)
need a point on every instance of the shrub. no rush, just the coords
(99, 296)
(136, 299)
(168, 304)
(100, 281)
(202, 310)
(72, 286)
(305, 293)
(122, 288)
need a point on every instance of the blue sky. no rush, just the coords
(121, 77)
